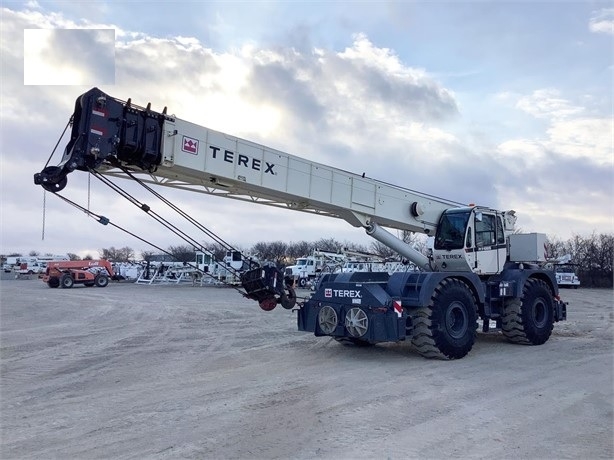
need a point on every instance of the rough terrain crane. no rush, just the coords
(478, 268)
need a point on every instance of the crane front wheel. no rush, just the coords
(446, 328)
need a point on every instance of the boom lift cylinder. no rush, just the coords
(385, 237)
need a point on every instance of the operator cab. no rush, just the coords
(472, 239)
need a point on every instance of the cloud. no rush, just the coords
(547, 103)
(570, 132)
(377, 78)
(569, 167)
(589, 139)
(69, 56)
(557, 197)
(602, 21)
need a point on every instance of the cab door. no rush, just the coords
(490, 248)
(470, 249)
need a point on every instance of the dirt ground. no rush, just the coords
(132, 372)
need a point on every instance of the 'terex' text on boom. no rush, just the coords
(242, 160)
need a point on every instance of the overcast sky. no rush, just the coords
(503, 104)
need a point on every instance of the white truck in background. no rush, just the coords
(566, 275)
(307, 269)
(29, 265)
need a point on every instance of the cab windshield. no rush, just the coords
(451, 230)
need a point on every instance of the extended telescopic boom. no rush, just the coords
(162, 149)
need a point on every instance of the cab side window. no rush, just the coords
(485, 234)
(500, 234)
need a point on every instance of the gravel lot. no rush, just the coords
(132, 371)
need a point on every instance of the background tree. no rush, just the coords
(218, 250)
(381, 250)
(274, 252)
(593, 256)
(355, 247)
(555, 247)
(125, 254)
(328, 245)
(34, 253)
(72, 256)
(298, 249)
(606, 255)
(147, 255)
(183, 253)
(415, 240)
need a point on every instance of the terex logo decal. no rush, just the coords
(243, 160)
(328, 292)
(190, 145)
(448, 256)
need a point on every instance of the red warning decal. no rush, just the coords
(397, 307)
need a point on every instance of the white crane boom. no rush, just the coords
(191, 156)
(109, 135)
(209, 161)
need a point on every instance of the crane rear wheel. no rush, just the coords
(529, 320)
(446, 328)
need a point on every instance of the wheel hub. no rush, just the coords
(328, 320)
(539, 313)
(356, 322)
(456, 320)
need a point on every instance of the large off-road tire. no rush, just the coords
(101, 281)
(446, 328)
(53, 282)
(530, 319)
(66, 281)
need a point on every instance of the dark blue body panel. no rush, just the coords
(375, 294)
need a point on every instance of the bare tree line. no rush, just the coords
(593, 255)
